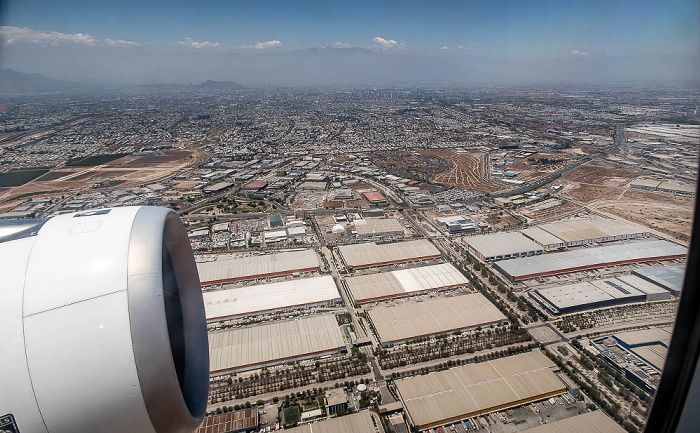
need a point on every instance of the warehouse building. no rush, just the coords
(367, 255)
(589, 422)
(245, 420)
(668, 277)
(399, 323)
(229, 269)
(589, 258)
(404, 282)
(583, 231)
(360, 422)
(379, 227)
(650, 345)
(266, 298)
(274, 343)
(374, 197)
(598, 293)
(501, 246)
(463, 392)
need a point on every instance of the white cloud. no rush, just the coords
(579, 53)
(444, 47)
(121, 43)
(386, 44)
(463, 47)
(336, 44)
(188, 42)
(261, 45)
(11, 35)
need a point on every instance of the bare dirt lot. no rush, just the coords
(497, 220)
(602, 187)
(467, 172)
(127, 171)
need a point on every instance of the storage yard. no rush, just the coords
(257, 346)
(404, 282)
(367, 255)
(411, 320)
(598, 293)
(229, 269)
(590, 258)
(590, 422)
(265, 298)
(360, 422)
(462, 392)
(500, 246)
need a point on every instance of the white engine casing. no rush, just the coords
(102, 325)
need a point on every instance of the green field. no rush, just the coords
(292, 414)
(20, 177)
(94, 160)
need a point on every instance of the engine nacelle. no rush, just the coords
(102, 325)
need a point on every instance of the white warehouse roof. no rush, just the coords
(370, 254)
(503, 244)
(257, 266)
(365, 288)
(588, 258)
(409, 320)
(255, 346)
(242, 301)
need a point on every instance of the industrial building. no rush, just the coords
(589, 422)
(411, 320)
(370, 254)
(575, 232)
(374, 197)
(640, 355)
(668, 277)
(457, 224)
(360, 422)
(463, 392)
(598, 293)
(266, 298)
(253, 347)
(404, 282)
(245, 420)
(501, 246)
(228, 269)
(589, 258)
(378, 227)
(650, 345)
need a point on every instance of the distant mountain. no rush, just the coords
(218, 85)
(14, 82)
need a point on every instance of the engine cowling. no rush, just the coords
(102, 325)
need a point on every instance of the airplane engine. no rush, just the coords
(102, 325)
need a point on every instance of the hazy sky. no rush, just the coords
(138, 40)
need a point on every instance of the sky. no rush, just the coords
(138, 40)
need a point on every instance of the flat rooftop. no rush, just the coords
(599, 292)
(384, 285)
(580, 230)
(377, 226)
(589, 258)
(360, 422)
(227, 268)
(668, 277)
(232, 421)
(370, 254)
(590, 422)
(461, 392)
(242, 301)
(502, 244)
(412, 319)
(250, 347)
